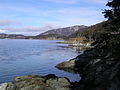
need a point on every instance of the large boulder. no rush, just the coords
(80, 61)
(36, 82)
(66, 65)
(3, 86)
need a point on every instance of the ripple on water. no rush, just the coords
(23, 57)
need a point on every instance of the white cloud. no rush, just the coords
(68, 16)
(8, 22)
(78, 1)
(27, 30)
(73, 16)
(4, 31)
(63, 1)
(83, 11)
(96, 1)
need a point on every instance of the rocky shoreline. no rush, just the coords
(36, 82)
(79, 46)
(99, 68)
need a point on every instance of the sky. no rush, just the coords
(32, 17)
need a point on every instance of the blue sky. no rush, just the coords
(31, 17)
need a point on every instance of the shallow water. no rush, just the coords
(24, 57)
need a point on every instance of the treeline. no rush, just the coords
(106, 33)
(48, 36)
(90, 33)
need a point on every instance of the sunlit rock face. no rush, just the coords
(36, 82)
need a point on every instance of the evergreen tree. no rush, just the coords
(113, 15)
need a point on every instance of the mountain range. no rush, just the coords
(12, 36)
(64, 31)
(60, 33)
(74, 32)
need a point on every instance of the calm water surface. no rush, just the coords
(24, 57)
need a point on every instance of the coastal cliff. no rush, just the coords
(99, 67)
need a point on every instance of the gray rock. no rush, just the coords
(67, 64)
(35, 82)
(3, 86)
